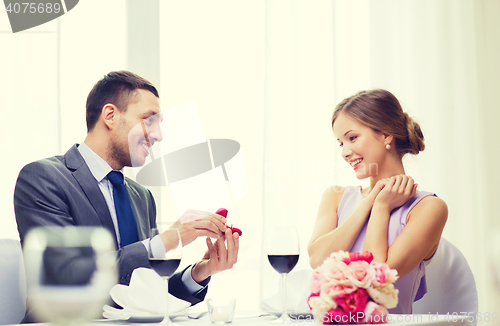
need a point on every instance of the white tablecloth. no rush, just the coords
(261, 318)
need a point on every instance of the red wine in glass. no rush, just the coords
(164, 267)
(283, 263)
(167, 264)
(283, 252)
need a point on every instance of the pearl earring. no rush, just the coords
(388, 147)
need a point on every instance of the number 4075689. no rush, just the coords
(472, 317)
(33, 8)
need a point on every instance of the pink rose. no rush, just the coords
(333, 270)
(374, 314)
(360, 273)
(353, 302)
(316, 282)
(335, 289)
(356, 256)
(383, 274)
(351, 288)
(335, 316)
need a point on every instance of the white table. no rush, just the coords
(261, 319)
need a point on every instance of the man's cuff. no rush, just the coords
(157, 246)
(191, 285)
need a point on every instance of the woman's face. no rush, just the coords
(362, 147)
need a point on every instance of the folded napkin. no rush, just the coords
(145, 296)
(297, 292)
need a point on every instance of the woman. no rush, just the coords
(398, 224)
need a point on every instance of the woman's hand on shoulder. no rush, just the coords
(376, 190)
(393, 192)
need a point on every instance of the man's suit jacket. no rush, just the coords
(61, 191)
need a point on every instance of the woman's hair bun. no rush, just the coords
(415, 136)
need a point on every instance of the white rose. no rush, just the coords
(386, 296)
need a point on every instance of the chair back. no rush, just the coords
(451, 287)
(12, 282)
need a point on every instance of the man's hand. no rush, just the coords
(217, 258)
(193, 224)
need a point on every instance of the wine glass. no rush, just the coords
(167, 264)
(283, 254)
(68, 268)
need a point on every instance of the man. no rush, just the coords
(78, 189)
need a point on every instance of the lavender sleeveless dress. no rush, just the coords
(412, 286)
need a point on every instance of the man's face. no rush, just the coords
(138, 128)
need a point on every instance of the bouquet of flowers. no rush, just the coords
(351, 288)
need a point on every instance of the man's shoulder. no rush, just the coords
(40, 174)
(52, 163)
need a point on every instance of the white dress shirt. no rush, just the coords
(100, 169)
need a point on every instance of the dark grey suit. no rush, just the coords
(61, 191)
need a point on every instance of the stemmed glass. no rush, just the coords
(283, 253)
(68, 268)
(166, 265)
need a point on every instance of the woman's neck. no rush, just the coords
(391, 168)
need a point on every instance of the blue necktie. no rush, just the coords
(124, 214)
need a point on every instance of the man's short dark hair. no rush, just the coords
(117, 88)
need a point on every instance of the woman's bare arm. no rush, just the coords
(327, 237)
